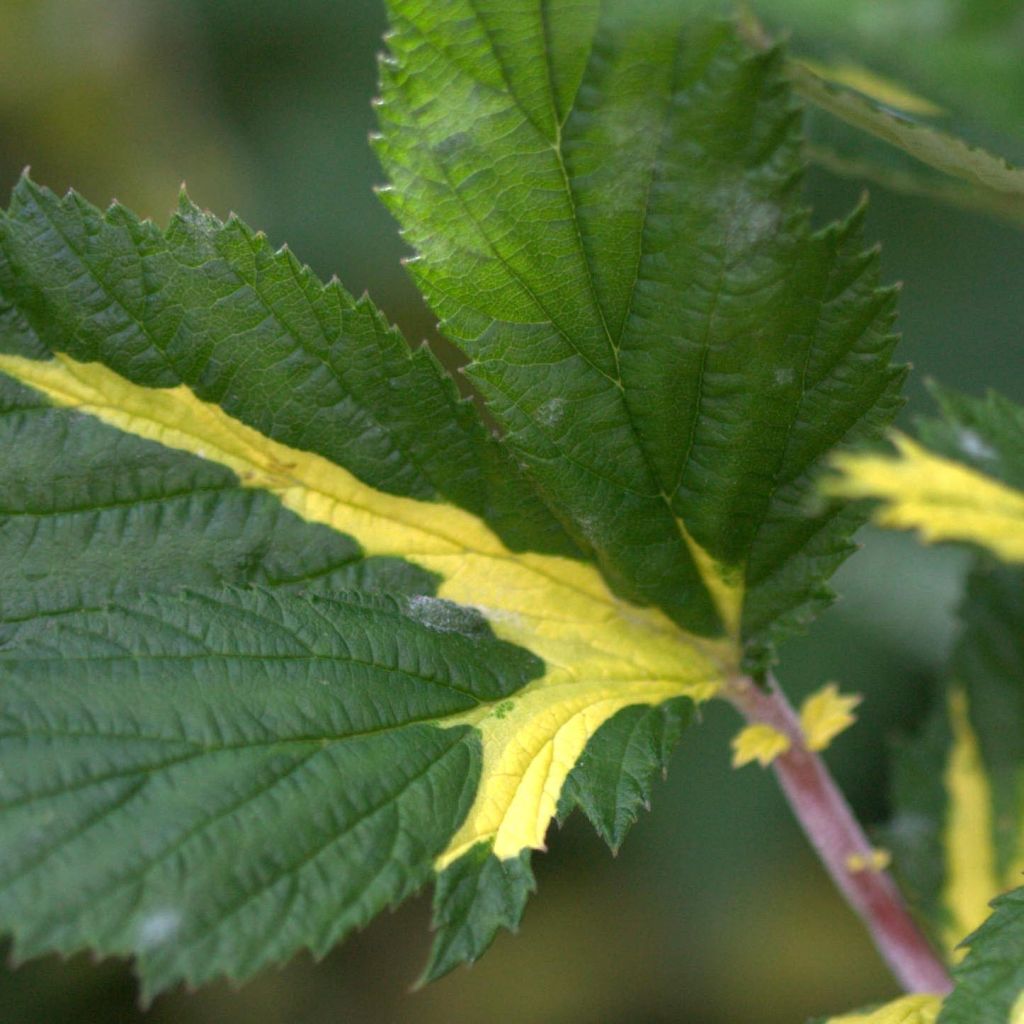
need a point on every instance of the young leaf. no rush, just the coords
(138, 366)
(605, 208)
(971, 491)
(958, 832)
(990, 981)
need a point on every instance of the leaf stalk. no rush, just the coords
(841, 844)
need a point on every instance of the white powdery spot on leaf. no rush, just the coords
(747, 220)
(444, 616)
(552, 412)
(159, 927)
(972, 445)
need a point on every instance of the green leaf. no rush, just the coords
(441, 639)
(958, 832)
(875, 111)
(214, 307)
(973, 491)
(989, 984)
(612, 780)
(138, 363)
(621, 250)
(473, 898)
(982, 180)
(186, 799)
(965, 57)
(75, 492)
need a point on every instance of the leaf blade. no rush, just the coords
(989, 984)
(183, 678)
(684, 376)
(143, 465)
(970, 492)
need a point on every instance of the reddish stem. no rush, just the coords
(829, 823)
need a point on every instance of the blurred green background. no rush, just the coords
(715, 912)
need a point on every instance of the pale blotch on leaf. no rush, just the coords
(159, 927)
(972, 445)
(552, 412)
(444, 616)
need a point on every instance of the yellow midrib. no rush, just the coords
(601, 653)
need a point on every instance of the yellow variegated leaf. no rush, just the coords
(958, 831)
(1017, 1013)
(943, 500)
(493, 656)
(602, 655)
(915, 1009)
(972, 877)
(870, 83)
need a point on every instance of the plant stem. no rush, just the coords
(841, 844)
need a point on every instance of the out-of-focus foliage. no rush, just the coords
(873, 71)
(967, 485)
(958, 832)
(962, 56)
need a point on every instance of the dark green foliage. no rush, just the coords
(213, 306)
(224, 729)
(675, 349)
(612, 780)
(90, 513)
(271, 753)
